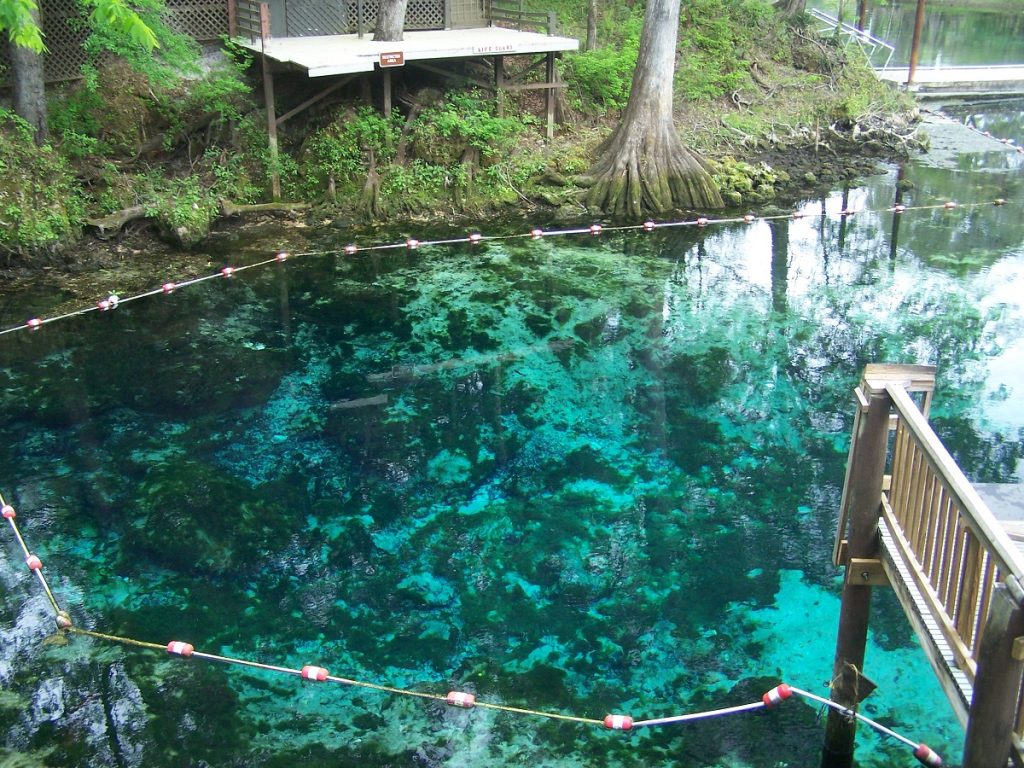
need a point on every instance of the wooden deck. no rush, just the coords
(909, 519)
(996, 80)
(350, 54)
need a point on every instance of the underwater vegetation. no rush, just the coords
(579, 475)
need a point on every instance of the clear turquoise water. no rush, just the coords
(586, 475)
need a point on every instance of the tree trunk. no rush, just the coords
(643, 166)
(591, 25)
(390, 20)
(791, 8)
(29, 86)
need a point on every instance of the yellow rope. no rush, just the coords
(116, 638)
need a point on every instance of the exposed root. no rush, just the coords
(649, 172)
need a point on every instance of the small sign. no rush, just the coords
(395, 59)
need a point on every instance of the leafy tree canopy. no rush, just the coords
(18, 18)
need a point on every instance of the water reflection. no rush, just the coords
(951, 36)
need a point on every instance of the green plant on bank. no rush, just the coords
(464, 121)
(182, 207)
(717, 41)
(603, 76)
(41, 206)
(341, 151)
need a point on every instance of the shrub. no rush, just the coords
(341, 151)
(604, 76)
(40, 201)
(444, 132)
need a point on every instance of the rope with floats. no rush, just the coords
(459, 699)
(113, 301)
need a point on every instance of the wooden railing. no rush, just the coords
(512, 13)
(956, 571)
(249, 18)
(957, 549)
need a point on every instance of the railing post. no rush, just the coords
(863, 493)
(993, 711)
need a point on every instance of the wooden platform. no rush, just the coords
(349, 54)
(1006, 502)
(996, 80)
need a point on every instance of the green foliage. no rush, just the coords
(342, 149)
(603, 77)
(40, 201)
(182, 207)
(444, 132)
(717, 41)
(414, 187)
(16, 20)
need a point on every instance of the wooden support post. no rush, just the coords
(915, 42)
(864, 494)
(993, 711)
(499, 84)
(268, 102)
(550, 74)
(387, 92)
(232, 18)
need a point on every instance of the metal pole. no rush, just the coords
(915, 44)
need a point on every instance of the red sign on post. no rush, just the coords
(396, 59)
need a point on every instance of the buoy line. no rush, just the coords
(460, 699)
(113, 301)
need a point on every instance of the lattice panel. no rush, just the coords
(314, 17)
(204, 20)
(419, 15)
(467, 13)
(424, 14)
(64, 34)
(369, 15)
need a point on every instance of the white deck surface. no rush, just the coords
(1008, 77)
(344, 54)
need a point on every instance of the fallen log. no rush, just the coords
(109, 226)
(228, 208)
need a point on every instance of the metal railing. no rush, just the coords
(868, 42)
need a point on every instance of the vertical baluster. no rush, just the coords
(987, 584)
(899, 453)
(936, 538)
(931, 492)
(909, 520)
(970, 589)
(950, 583)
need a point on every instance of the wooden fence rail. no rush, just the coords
(954, 568)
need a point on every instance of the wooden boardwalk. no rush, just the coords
(996, 80)
(910, 520)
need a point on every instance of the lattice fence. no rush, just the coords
(316, 17)
(204, 20)
(467, 13)
(64, 30)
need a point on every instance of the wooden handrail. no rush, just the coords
(512, 12)
(975, 513)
